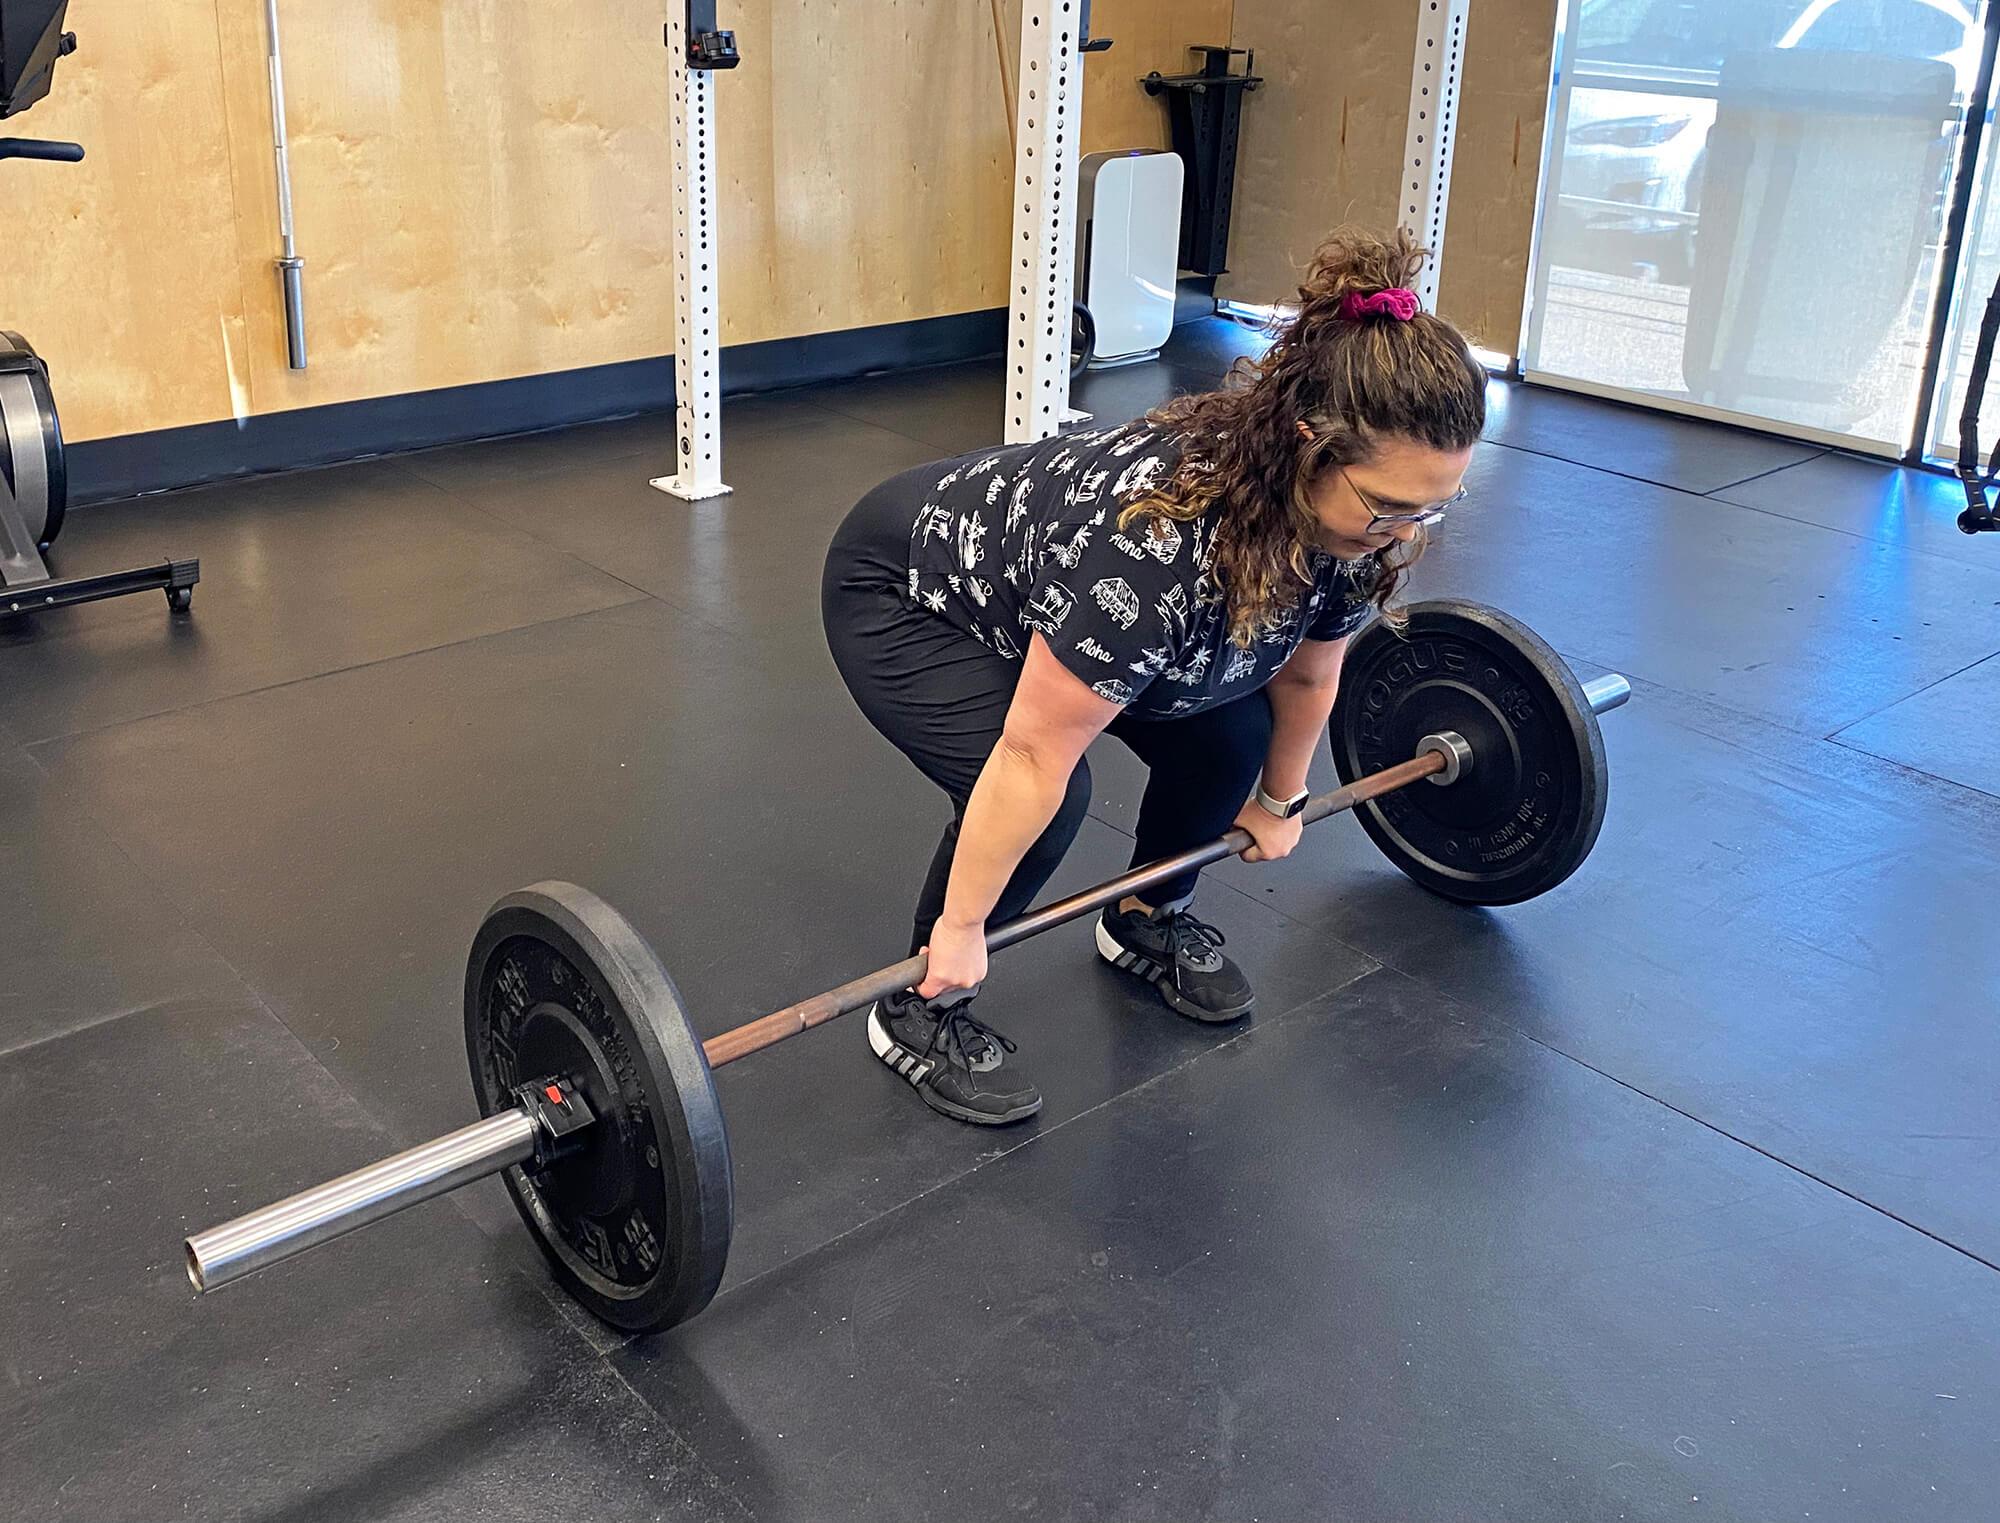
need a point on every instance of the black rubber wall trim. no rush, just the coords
(102, 470)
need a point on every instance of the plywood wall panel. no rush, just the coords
(890, 163)
(1322, 145)
(482, 187)
(1117, 112)
(1146, 35)
(1322, 139)
(480, 190)
(121, 270)
(747, 131)
(1498, 155)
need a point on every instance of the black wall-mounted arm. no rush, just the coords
(1085, 43)
(709, 47)
(36, 148)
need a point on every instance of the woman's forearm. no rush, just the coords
(1299, 714)
(1018, 793)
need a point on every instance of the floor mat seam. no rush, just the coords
(986, 1160)
(90, 731)
(1707, 1125)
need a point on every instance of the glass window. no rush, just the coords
(1679, 34)
(1744, 211)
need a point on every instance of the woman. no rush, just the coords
(1186, 582)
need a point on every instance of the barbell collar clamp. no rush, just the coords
(560, 1112)
(1456, 753)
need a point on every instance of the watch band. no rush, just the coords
(1284, 809)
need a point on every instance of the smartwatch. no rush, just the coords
(1284, 809)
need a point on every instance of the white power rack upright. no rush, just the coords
(1041, 254)
(696, 49)
(1435, 74)
(1041, 257)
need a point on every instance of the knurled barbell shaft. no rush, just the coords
(907, 974)
(300, 1222)
(291, 1226)
(1602, 693)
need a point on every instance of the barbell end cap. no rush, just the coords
(1607, 692)
(1456, 753)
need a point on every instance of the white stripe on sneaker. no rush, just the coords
(1109, 947)
(883, 1044)
(1115, 952)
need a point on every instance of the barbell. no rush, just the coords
(599, 1101)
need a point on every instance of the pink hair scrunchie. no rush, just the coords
(1396, 302)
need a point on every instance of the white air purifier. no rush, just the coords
(1128, 251)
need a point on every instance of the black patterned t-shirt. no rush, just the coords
(1024, 539)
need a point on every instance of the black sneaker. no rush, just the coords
(954, 1061)
(1180, 955)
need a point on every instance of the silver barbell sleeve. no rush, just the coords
(1606, 692)
(331, 1210)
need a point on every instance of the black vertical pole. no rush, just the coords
(1953, 245)
(1204, 110)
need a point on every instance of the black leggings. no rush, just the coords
(941, 698)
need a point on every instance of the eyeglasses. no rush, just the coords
(1382, 522)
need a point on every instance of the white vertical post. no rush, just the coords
(1041, 263)
(697, 366)
(1434, 80)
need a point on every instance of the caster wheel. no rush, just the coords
(180, 599)
(1082, 340)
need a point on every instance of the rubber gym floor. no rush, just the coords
(1670, 1194)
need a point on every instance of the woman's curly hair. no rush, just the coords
(1354, 382)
